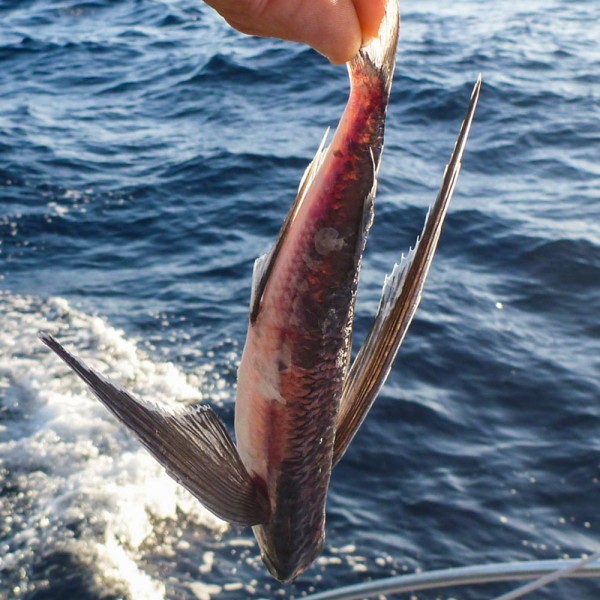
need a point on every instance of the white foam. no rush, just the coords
(205, 591)
(75, 467)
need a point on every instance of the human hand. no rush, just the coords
(335, 28)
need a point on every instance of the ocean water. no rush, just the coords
(148, 153)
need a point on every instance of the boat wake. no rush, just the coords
(76, 488)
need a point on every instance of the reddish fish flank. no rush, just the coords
(298, 345)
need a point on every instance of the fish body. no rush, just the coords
(297, 350)
(300, 399)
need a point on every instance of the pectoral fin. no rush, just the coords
(400, 297)
(193, 446)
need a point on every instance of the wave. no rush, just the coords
(78, 489)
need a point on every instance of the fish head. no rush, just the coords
(285, 560)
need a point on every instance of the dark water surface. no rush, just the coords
(148, 154)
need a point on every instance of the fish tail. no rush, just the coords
(378, 56)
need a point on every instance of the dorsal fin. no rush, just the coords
(263, 266)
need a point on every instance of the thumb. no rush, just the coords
(370, 14)
(337, 28)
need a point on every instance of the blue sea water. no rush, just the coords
(148, 154)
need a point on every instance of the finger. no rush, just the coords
(330, 26)
(370, 14)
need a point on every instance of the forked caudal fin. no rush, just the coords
(192, 445)
(400, 297)
(380, 52)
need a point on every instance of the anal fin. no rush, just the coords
(400, 298)
(263, 266)
(192, 445)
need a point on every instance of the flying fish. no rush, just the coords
(300, 398)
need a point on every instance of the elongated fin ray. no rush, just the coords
(193, 446)
(400, 297)
(263, 265)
